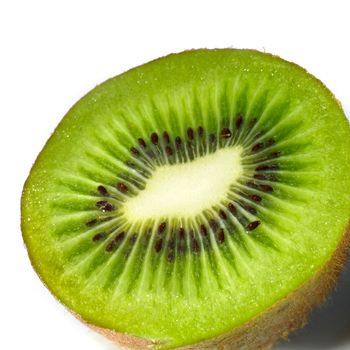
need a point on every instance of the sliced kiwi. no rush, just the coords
(198, 201)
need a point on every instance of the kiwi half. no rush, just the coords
(198, 201)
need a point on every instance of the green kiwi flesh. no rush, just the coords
(181, 199)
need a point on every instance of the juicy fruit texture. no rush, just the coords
(185, 197)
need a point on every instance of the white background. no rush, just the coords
(53, 52)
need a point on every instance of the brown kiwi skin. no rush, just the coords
(268, 328)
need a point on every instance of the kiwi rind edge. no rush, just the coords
(283, 318)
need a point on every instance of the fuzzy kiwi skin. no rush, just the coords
(283, 318)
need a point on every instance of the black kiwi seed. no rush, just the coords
(158, 246)
(142, 142)
(226, 133)
(266, 188)
(270, 142)
(260, 177)
(105, 206)
(120, 237)
(222, 214)
(161, 228)
(232, 209)
(154, 138)
(111, 246)
(251, 184)
(99, 236)
(91, 223)
(255, 198)
(102, 190)
(166, 137)
(257, 147)
(269, 177)
(178, 141)
(250, 209)
(116, 241)
(169, 151)
(253, 225)
(135, 151)
(108, 207)
(274, 155)
(121, 187)
(221, 236)
(203, 230)
(181, 233)
(239, 121)
(190, 134)
(267, 167)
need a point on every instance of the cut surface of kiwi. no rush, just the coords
(183, 199)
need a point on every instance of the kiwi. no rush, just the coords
(200, 201)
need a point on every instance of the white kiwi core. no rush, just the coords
(186, 189)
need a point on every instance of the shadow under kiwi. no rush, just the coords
(329, 325)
